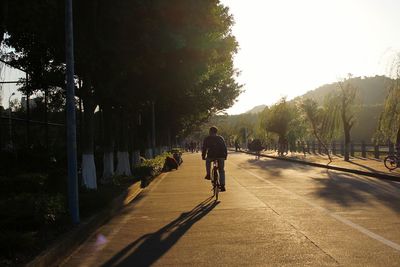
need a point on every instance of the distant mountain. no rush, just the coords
(372, 90)
(372, 94)
(256, 109)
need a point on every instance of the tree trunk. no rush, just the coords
(123, 166)
(135, 158)
(108, 143)
(46, 129)
(346, 143)
(89, 178)
(346, 129)
(323, 145)
(398, 143)
(28, 110)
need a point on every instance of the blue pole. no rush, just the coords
(71, 116)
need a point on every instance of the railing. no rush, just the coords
(362, 149)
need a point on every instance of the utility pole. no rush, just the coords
(71, 116)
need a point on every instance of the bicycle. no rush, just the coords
(282, 150)
(391, 162)
(215, 179)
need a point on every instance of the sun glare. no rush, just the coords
(289, 47)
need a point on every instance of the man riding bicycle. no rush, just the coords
(214, 148)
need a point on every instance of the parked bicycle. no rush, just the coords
(282, 149)
(391, 162)
(215, 179)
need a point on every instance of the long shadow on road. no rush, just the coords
(346, 189)
(150, 247)
(275, 166)
(343, 188)
(364, 166)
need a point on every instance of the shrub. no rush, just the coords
(119, 180)
(57, 181)
(13, 241)
(8, 162)
(29, 212)
(23, 183)
(49, 209)
(17, 212)
(91, 201)
(151, 167)
(33, 159)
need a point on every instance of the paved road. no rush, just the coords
(274, 213)
(371, 165)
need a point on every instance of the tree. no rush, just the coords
(342, 106)
(389, 121)
(178, 54)
(278, 119)
(316, 118)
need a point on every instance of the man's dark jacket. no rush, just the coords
(214, 147)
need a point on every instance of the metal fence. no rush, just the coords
(362, 149)
(19, 133)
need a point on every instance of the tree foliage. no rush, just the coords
(389, 121)
(176, 53)
(279, 117)
(317, 118)
(342, 108)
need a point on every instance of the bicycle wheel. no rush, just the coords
(216, 190)
(216, 183)
(391, 162)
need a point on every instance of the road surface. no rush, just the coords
(274, 213)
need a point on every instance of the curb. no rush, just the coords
(71, 240)
(378, 175)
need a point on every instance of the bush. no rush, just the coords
(50, 209)
(8, 162)
(30, 212)
(91, 201)
(13, 241)
(119, 180)
(17, 213)
(151, 167)
(23, 183)
(33, 159)
(57, 181)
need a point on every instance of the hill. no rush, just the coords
(372, 94)
(372, 90)
(256, 109)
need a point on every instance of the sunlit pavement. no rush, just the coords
(274, 213)
(356, 163)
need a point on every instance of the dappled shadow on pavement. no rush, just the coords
(150, 247)
(364, 166)
(347, 189)
(274, 166)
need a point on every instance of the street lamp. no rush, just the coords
(9, 119)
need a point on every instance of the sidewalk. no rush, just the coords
(371, 166)
(274, 213)
(174, 222)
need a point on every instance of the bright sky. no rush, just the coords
(288, 47)
(9, 74)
